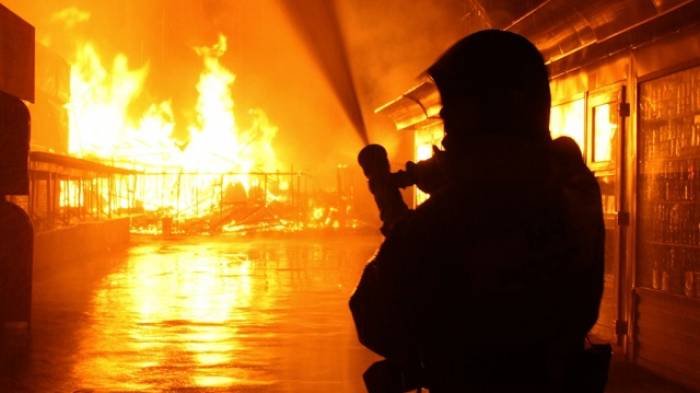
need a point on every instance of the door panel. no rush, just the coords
(605, 122)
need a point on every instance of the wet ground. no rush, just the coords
(208, 315)
(196, 315)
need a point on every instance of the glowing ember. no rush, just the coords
(217, 159)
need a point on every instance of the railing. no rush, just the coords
(65, 191)
(212, 202)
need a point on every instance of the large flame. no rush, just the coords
(102, 128)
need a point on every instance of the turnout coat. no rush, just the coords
(492, 284)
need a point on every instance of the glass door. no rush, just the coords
(606, 112)
(668, 250)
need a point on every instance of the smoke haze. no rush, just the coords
(279, 67)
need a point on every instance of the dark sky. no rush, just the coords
(389, 43)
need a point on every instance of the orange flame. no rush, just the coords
(102, 128)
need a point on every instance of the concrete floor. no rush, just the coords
(207, 315)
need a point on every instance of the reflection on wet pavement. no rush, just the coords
(202, 315)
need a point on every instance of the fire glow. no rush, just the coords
(103, 129)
